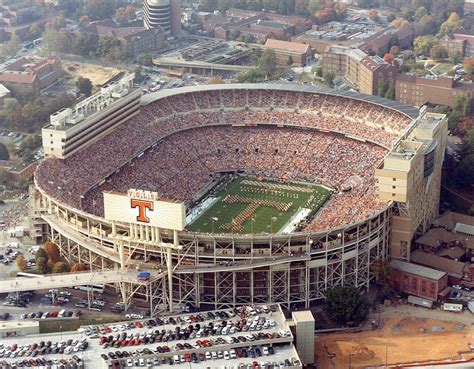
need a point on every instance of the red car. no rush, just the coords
(107, 329)
(102, 340)
(187, 357)
(13, 347)
(255, 365)
(138, 324)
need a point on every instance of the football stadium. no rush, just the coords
(237, 193)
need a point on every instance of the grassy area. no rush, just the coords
(298, 196)
(442, 68)
(66, 325)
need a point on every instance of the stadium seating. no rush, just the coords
(195, 135)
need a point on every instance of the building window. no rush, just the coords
(405, 282)
(414, 283)
(433, 288)
(423, 286)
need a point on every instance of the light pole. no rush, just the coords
(214, 219)
(252, 221)
(350, 360)
(272, 220)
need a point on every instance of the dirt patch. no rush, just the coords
(96, 73)
(400, 341)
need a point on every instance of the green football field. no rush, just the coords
(249, 205)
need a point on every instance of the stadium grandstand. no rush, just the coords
(288, 190)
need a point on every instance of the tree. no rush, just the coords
(390, 93)
(399, 23)
(4, 154)
(99, 9)
(138, 75)
(11, 47)
(21, 262)
(395, 50)
(381, 87)
(329, 78)
(78, 267)
(290, 61)
(423, 44)
(84, 85)
(41, 254)
(345, 304)
(85, 44)
(267, 63)
(42, 265)
(455, 56)
(468, 66)
(374, 15)
(216, 80)
(61, 267)
(426, 25)
(110, 48)
(53, 251)
(249, 38)
(438, 52)
(388, 58)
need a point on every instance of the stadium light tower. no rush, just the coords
(252, 221)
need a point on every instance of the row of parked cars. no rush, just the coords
(74, 362)
(21, 299)
(51, 314)
(43, 348)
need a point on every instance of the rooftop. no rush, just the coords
(442, 265)
(418, 270)
(286, 45)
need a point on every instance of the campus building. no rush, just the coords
(162, 13)
(419, 90)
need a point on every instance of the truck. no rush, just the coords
(143, 276)
(452, 307)
(470, 306)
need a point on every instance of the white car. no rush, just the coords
(129, 362)
(457, 286)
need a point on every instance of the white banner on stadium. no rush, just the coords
(162, 214)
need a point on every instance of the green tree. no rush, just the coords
(85, 44)
(21, 262)
(4, 154)
(61, 267)
(99, 9)
(438, 52)
(345, 304)
(423, 44)
(41, 254)
(145, 59)
(329, 78)
(249, 38)
(138, 75)
(41, 265)
(84, 85)
(290, 61)
(381, 87)
(455, 56)
(11, 47)
(267, 63)
(390, 93)
(110, 48)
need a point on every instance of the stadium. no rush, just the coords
(261, 192)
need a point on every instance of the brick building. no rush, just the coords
(359, 68)
(286, 51)
(32, 76)
(418, 90)
(417, 280)
(134, 40)
(458, 42)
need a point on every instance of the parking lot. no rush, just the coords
(243, 338)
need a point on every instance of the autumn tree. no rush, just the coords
(78, 267)
(374, 15)
(42, 265)
(53, 251)
(84, 85)
(399, 23)
(61, 267)
(388, 58)
(216, 80)
(21, 262)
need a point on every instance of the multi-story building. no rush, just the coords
(417, 280)
(163, 13)
(286, 52)
(410, 176)
(71, 130)
(468, 7)
(356, 35)
(460, 43)
(15, 12)
(32, 76)
(418, 90)
(359, 68)
(133, 40)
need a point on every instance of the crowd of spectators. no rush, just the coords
(187, 138)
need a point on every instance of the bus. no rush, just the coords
(97, 288)
(28, 275)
